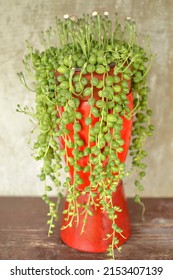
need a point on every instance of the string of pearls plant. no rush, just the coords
(90, 44)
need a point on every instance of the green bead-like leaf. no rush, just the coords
(88, 121)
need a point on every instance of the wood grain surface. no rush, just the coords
(23, 232)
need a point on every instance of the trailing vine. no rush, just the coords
(64, 73)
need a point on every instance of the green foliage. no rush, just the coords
(84, 46)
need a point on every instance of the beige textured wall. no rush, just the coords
(20, 20)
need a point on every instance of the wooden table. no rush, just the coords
(23, 232)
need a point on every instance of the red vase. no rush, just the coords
(98, 225)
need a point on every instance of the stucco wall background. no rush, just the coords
(21, 20)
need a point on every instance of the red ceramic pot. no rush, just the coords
(98, 225)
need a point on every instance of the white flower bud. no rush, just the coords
(66, 16)
(94, 13)
(106, 13)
